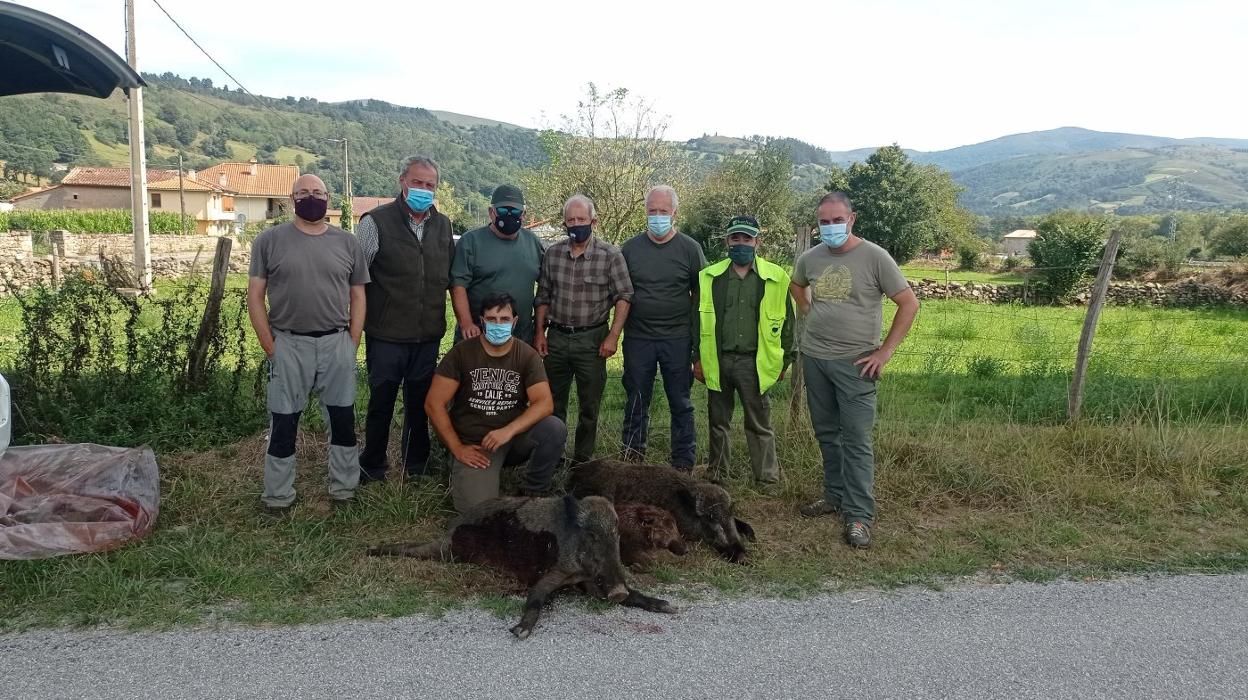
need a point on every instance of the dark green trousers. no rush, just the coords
(574, 356)
(738, 374)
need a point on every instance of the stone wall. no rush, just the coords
(15, 245)
(1188, 293)
(88, 244)
(172, 256)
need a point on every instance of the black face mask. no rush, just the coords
(579, 234)
(311, 209)
(507, 224)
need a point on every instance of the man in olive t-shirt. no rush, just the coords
(664, 265)
(840, 285)
(501, 258)
(491, 405)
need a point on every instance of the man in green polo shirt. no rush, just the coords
(743, 342)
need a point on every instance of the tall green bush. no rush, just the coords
(1066, 246)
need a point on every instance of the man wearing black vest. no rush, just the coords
(408, 245)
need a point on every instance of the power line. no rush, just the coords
(217, 63)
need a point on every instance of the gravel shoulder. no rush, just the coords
(1180, 636)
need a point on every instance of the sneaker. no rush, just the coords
(858, 534)
(819, 509)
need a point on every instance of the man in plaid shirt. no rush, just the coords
(582, 278)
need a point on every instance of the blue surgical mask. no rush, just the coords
(419, 200)
(741, 254)
(659, 225)
(497, 333)
(834, 235)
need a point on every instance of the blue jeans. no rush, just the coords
(641, 358)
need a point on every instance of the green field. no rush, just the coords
(916, 271)
(978, 475)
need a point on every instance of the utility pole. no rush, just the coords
(181, 195)
(138, 167)
(346, 169)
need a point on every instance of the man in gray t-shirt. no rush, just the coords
(313, 275)
(840, 285)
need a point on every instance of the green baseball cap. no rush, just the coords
(507, 196)
(743, 224)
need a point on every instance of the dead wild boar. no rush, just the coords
(547, 543)
(645, 528)
(703, 511)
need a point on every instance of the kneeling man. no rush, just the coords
(491, 404)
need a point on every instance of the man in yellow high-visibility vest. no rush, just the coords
(743, 342)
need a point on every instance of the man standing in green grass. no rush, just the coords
(314, 276)
(840, 285)
(743, 342)
(583, 278)
(408, 245)
(501, 258)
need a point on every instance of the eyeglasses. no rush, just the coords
(508, 211)
(304, 194)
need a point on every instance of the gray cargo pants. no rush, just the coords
(301, 365)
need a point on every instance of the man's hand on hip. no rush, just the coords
(873, 364)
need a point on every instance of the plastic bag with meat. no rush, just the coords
(71, 499)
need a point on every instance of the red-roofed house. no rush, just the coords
(88, 188)
(214, 196)
(262, 191)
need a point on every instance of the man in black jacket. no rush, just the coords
(408, 245)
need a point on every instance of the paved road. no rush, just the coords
(1131, 638)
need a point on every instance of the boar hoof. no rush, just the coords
(521, 631)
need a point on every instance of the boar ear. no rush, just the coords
(572, 511)
(745, 530)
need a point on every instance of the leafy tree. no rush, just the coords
(215, 146)
(756, 184)
(186, 132)
(1066, 246)
(10, 189)
(611, 150)
(1231, 238)
(903, 207)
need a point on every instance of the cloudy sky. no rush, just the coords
(928, 75)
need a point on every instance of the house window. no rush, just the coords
(155, 200)
(75, 195)
(227, 203)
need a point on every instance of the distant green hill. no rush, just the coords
(1018, 174)
(208, 124)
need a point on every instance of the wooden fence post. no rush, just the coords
(798, 380)
(1095, 303)
(197, 359)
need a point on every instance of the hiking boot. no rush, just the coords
(819, 509)
(858, 534)
(366, 478)
(341, 504)
(770, 489)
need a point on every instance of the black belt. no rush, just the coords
(314, 334)
(569, 330)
